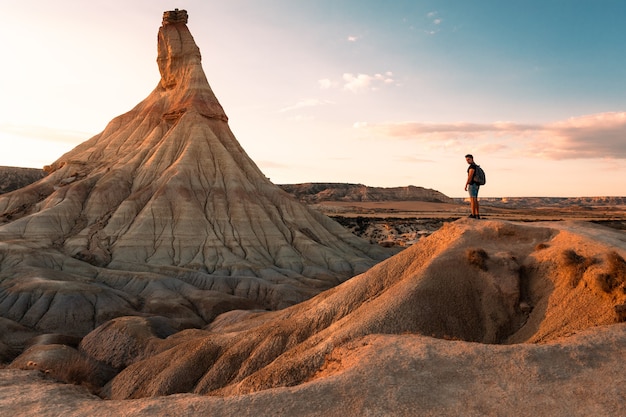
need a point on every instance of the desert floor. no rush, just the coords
(422, 210)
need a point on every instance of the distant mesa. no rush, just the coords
(13, 178)
(317, 192)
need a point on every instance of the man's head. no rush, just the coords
(469, 158)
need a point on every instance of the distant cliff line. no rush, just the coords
(315, 192)
(533, 202)
(12, 178)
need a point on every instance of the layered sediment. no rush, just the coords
(164, 213)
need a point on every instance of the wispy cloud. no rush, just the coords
(352, 38)
(414, 159)
(591, 136)
(44, 133)
(359, 82)
(326, 83)
(309, 102)
(435, 22)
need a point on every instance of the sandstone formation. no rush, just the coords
(480, 318)
(163, 213)
(388, 375)
(492, 283)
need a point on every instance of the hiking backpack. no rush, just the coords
(479, 176)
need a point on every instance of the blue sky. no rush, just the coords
(380, 93)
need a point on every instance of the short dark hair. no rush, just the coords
(469, 155)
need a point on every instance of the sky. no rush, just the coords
(381, 93)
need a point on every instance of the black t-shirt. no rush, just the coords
(472, 166)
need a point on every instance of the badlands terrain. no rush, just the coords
(400, 216)
(154, 270)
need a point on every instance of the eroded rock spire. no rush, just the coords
(164, 213)
(179, 62)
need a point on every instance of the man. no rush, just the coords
(472, 187)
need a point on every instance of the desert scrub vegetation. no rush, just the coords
(615, 277)
(576, 265)
(477, 257)
(81, 370)
(75, 368)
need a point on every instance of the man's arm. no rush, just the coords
(470, 176)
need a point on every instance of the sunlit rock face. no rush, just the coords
(527, 287)
(164, 213)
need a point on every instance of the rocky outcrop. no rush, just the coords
(163, 213)
(389, 231)
(317, 192)
(388, 375)
(476, 313)
(489, 282)
(175, 16)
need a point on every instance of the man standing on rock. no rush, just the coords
(472, 186)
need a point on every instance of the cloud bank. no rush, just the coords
(600, 135)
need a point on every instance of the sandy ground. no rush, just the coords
(421, 209)
(403, 223)
(387, 375)
(577, 374)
